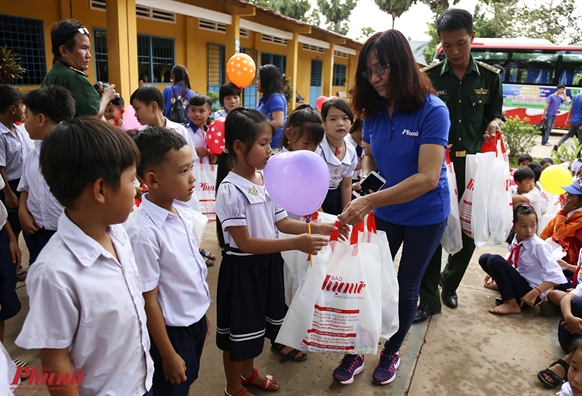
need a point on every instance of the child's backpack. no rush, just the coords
(177, 112)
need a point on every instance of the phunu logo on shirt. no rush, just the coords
(408, 132)
(337, 285)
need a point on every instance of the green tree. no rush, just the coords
(554, 20)
(336, 12)
(394, 7)
(297, 9)
(365, 33)
(436, 6)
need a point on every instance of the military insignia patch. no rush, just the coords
(481, 91)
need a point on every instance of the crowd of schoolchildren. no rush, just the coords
(143, 290)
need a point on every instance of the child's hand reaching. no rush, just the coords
(329, 228)
(310, 244)
(573, 324)
(174, 369)
(530, 298)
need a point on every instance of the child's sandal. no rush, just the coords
(267, 384)
(555, 377)
(240, 393)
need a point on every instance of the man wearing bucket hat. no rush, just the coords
(71, 49)
(566, 227)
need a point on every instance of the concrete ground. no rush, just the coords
(460, 352)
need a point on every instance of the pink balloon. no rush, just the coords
(297, 181)
(320, 101)
(129, 120)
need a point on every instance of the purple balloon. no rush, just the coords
(297, 181)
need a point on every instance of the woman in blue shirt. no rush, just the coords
(406, 130)
(180, 87)
(272, 103)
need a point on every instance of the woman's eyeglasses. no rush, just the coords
(377, 71)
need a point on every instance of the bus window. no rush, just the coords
(496, 58)
(533, 68)
(571, 69)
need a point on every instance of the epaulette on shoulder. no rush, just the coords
(488, 67)
(431, 66)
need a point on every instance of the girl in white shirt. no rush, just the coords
(529, 272)
(250, 297)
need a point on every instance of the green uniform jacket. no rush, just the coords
(473, 101)
(87, 99)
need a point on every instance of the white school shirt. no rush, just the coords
(337, 169)
(534, 199)
(181, 130)
(242, 203)
(42, 205)
(167, 256)
(3, 212)
(566, 390)
(83, 299)
(219, 114)
(537, 264)
(349, 139)
(13, 151)
(198, 140)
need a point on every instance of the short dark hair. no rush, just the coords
(340, 104)
(454, 19)
(523, 173)
(306, 123)
(148, 94)
(9, 96)
(65, 33)
(54, 102)
(201, 100)
(560, 86)
(228, 89)
(80, 151)
(536, 168)
(118, 102)
(153, 144)
(271, 81)
(546, 160)
(524, 157)
(407, 85)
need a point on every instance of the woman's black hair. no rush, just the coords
(181, 75)
(271, 81)
(523, 209)
(227, 89)
(304, 123)
(243, 125)
(340, 104)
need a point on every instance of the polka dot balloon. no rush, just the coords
(241, 70)
(215, 136)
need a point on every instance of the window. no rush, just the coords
(535, 67)
(25, 37)
(216, 64)
(100, 54)
(571, 69)
(278, 60)
(339, 75)
(155, 58)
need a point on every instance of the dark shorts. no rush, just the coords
(188, 343)
(333, 202)
(250, 303)
(12, 213)
(10, 304)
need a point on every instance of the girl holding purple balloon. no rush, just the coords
(406, 129)
(250, 282)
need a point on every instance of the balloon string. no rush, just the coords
(307, 220)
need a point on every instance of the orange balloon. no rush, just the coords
(241, 70)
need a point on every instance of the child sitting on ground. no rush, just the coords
(172, 272)
(86, 311)
(530, 270)
(525, 190)
(114, 111)
(39, 211)
(229, 98)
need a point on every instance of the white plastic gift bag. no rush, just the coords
(452, 240)
(205, 186)
(466, 202)
(347, 299)
(481, 192)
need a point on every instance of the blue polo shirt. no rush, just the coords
(395, 144)
(576, 117)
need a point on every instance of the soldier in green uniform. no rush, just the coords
(473, 94)
(71, 49)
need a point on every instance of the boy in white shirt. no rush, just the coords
(172, 272)
(39, 211)
(86, 311)
(199, 110)
(525, 190)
